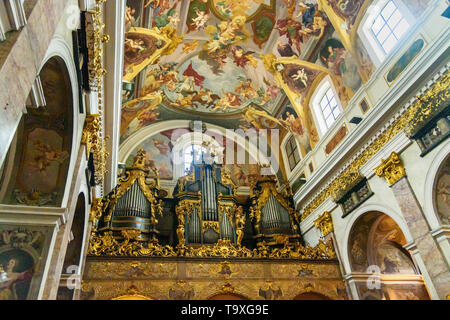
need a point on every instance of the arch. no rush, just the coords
(398, 219)
(314, 103)
(42, 160)
(250, 147)
(377, 240)
(311, 296)
(132, 142)
(134, 297)
(185, 141)
(227, 296)
(284, 155)
(75, 247)
(429, 187)
(60, 48)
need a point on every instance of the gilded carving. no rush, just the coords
(404, 122)
(391, 169)
(324, 223)
(240, 223)
(243, 279)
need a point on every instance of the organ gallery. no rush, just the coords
(224, 150)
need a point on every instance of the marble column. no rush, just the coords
(439, 271)
(325, 224)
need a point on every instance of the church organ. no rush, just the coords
(207, 209)
(134, 203)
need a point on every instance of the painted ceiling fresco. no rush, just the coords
(237, 64)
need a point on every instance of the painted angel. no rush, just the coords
(228, 100)
(161, 146)
(242, 58)
(46, 155)
(201, 19)
(147, 117)
(246, 90)
(173, 20)
(301, 76)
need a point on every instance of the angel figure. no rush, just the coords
(294, 124)
(301, 76)
(173, 20)
(256, 118)
(129, 17)
(201, 19)
(134, 45)
(241, 58)
(161, 146)
(317, 28)
(46, 155)
(228, 100)
(246, 90)
(180, 229)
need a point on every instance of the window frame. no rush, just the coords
(187, 140)
(315, 103)
(192, 147)
(372, 44)
(284, 154)
(293, 153)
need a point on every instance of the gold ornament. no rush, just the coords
(403, 122)
(391, 169)
(324, 223)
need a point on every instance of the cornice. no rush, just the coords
(374, 117)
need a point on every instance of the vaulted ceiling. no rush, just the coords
(235, 63)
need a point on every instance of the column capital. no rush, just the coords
(391, 169)
(324, 223)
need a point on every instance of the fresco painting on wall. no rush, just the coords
(405, 60)
(44, 157)
(44, 138)
(366, 66)
(23, 252)
(377, 240)
(295, 125)
(347, 10)
(133, 14)
(159, 151)
(415, 291)
(342, 65)
(304, 22)
(442, 193)
(226, 9)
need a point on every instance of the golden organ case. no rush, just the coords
(134, 204)
(207, 210)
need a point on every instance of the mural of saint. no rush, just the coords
(159, 152)
(138, 48)
(341, 63)
(295, 125)
(16, 271)
(443, 193)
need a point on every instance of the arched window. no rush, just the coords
(385, 24)
(292, 153)
(193, 154)
(326, 105)
(192, 148)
